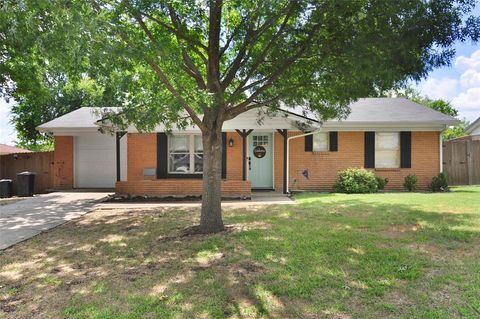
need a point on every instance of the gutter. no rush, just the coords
(441, 147)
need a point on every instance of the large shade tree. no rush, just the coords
(205, 62)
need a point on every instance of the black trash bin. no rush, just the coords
(25, 183)
(6, 188)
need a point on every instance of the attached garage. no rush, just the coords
(84, 157)
(94, 161)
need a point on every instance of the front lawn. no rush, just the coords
(398, 255)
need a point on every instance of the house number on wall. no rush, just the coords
(259, 151)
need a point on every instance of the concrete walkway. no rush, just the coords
(28, 217)
(258, 199)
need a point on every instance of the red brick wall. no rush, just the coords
(323, 166)
(234, 157)
(63, 162)
(180, 187)
(142, 153)
(425, 161)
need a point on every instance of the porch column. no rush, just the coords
(284, 133)
(244, 134)
(118, 136)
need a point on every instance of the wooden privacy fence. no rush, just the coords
(40, 163)
(461, 161)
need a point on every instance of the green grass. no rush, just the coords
(393, 255)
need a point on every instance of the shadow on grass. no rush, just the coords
(316, 259)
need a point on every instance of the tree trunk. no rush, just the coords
(211, 216)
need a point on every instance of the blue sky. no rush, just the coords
(458, 83)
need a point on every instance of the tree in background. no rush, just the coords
(205, 62)
(455, 131)
(440, 105)
(49, 103)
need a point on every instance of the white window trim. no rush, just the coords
(191, 153)
(327, 134)
(397, 152)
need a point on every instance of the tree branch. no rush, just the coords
(251, 37)
(190, 68)
(213, 69)
(145, 29)
(241, 107)
(230, 38)
(163, 78)
(261, 57)
(193, 44)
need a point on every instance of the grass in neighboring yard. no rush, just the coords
(399, 255)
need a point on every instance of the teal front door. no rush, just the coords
(260, 160)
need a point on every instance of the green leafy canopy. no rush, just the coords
(175, 61)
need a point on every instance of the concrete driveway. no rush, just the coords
(26, 218)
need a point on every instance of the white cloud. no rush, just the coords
(463, 93)
(468, 99)
(468, 103)
(470, 78)
(472, 62)
(443, 88)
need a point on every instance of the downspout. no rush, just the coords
(288, 154)
(441, 148)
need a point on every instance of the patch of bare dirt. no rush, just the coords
(247, 270)
(194, 232)
(439, 253)
(10, 302)
(400, 231)
(398, 299)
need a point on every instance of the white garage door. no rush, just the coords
(95, 165)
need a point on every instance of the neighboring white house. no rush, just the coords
(474, 129)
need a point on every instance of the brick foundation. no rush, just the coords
(180, 187)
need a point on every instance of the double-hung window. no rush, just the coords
(185, 154)
(387, 150)
(320, 142)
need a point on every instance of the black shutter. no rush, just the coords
(162, 156)
(224, 155)
(308, 143)
(369, 150)
(405, 149)
(333, 141)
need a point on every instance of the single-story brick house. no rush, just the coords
(393, 137)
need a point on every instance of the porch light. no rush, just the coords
(230, 142)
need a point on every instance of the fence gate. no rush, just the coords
(461, 162)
